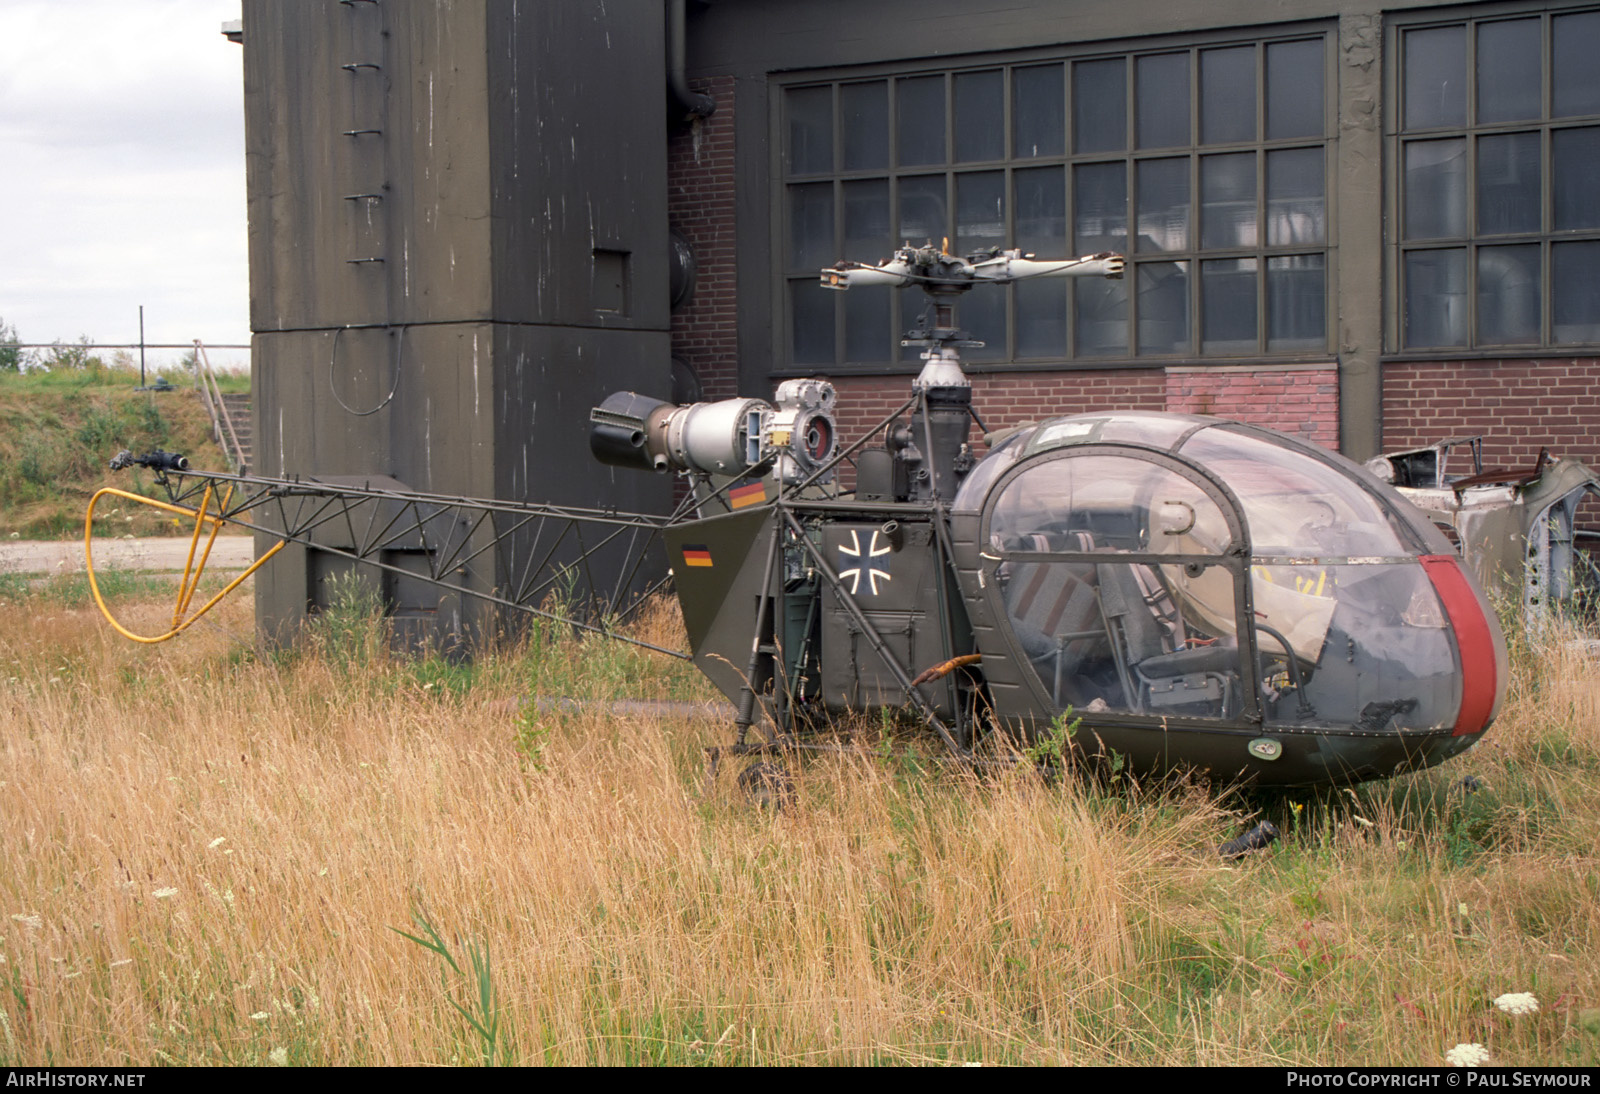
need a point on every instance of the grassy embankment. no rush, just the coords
(206, 856)
(58, 431)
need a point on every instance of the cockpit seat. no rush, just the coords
(1055, 613)
(1109, 630)
(1156, 666)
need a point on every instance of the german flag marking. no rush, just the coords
(696, 555)
(750, 494)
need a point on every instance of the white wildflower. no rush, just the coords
(260, 1016)
(165, 894)
(278, 1057)
(32, 922)
(1473, 1055)
(218, 842)
(1517, 1002)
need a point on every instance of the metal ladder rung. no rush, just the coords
(355, 68)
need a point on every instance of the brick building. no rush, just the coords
(1369, 227)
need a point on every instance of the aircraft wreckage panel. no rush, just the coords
(1526, 535)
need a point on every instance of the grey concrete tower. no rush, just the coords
(458, 245)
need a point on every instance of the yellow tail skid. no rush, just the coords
(182, 617)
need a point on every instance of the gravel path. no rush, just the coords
(33, 557)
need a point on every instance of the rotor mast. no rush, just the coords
(934, 446)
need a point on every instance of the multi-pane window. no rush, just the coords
(1206, 165)
(1498, 155)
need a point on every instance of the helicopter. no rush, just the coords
(1186, 592)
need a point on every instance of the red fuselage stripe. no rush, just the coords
(1473, 639)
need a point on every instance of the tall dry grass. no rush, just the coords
(207, 857)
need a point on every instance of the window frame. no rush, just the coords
(1396, 140)
(905, 304)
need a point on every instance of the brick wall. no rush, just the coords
(1516, 405)
(700, 204)
(1300, 400)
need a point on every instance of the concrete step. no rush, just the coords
(239, 416)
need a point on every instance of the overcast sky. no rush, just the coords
(122, 172)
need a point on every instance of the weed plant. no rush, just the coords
(211, 856)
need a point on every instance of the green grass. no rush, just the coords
(354, 640)
(72, 590)
(59, 430)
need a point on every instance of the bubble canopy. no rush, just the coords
(1190, 568)
(1285, 487)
